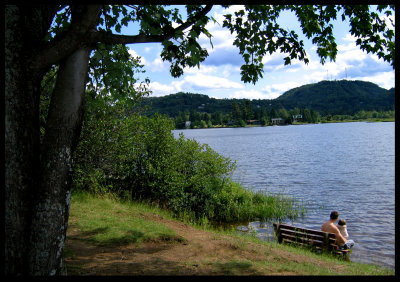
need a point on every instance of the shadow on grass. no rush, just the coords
(88, 234)
(131, 236)
(235, 267)
(99, 237)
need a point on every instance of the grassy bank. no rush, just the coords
(107, 236)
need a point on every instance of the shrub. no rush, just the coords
(139, 155)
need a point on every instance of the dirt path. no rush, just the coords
(198, 253)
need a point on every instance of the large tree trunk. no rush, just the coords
(37, 186)
(21, 142)
(64, 122)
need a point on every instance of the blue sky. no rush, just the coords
(219, 74)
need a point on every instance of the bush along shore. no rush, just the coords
(139, 158)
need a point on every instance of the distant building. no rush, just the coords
(297, 118)
(187, 123)
(276, 121)
(253, 121)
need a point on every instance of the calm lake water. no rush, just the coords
(347, 167)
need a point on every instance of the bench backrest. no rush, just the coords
(291, 234)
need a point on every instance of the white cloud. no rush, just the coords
(158, 65)
(234, 8)
(134, 54)
(159, 89)
(198, 82)
(201, 81)
(223, 51)
(275, 90)
(276, 62)
(221, 38)
(229, 70)
(224, 70)
(349, 52)
(384, 79)
(219, 13)
(248, 94)
(148, 49)
(203, 69)
(177, 85)
(270, 91)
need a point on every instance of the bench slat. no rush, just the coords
(306, 237)
(303, 237)
(341, 252)
(306, 241)
(302, 234)
(288, 241)
(305, 230)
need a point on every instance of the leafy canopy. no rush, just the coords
(255, 28)
(258, 33)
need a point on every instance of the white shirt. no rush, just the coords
(343, 230)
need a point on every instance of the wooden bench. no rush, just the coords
(321, 241)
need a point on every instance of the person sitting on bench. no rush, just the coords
(330, 227)
(342, 226)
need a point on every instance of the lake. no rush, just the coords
(348, 167)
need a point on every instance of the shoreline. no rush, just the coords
(296, 123)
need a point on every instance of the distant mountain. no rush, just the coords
(180, 102)
(325, 97)
(339, 97)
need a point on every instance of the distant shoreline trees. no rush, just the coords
(262, 117)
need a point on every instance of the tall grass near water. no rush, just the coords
(235, 204)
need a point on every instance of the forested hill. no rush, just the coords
(339, 97)
(325, 97)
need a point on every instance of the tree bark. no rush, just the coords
(21, 142)
(37, 187)
(64, 122)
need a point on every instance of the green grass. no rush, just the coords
(349, 268)
(281, 264)
(107, 221)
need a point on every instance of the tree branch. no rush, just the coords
(110, 38)
(74, 37)
(199, 15)
(82, 32)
